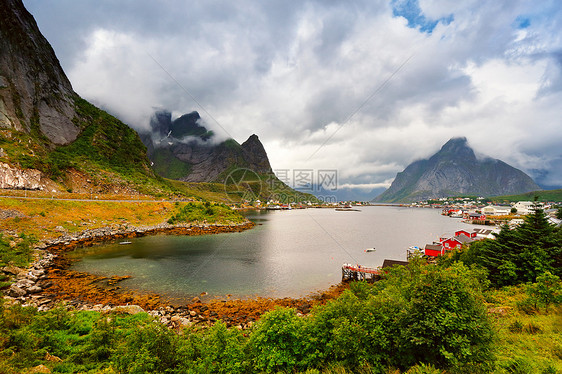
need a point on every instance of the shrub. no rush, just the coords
(150, 348)
(546, 291)
(217, 350)
(278, 341)
(446, 323)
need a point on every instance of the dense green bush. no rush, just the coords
(278, 341)
(149, 349)
(217, 350)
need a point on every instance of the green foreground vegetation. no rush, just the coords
(466, 314)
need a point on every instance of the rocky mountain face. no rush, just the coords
(35, 94)
(455, 170)
(48, 134)
(184, 149)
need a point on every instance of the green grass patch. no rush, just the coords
(544, 195)
(16, 251)
(205, 213)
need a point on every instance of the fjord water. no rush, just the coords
(287, 254)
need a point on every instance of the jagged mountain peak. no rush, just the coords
(456, 148)
(184, 149)
(454, 170)
(252, 140)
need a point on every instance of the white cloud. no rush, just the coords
(300, 74)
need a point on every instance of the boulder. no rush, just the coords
(16, 291)
(34, 289)
(14, 270)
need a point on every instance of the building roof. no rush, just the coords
(483, 231)
(388, 263)
(435, 247)
(463, 239)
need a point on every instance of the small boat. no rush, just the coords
(370, 249)
(123, 243)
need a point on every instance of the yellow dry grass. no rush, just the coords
(48, 218)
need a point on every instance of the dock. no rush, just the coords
(358, 272)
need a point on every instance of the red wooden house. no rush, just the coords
(465, 233)
(477, 216)
(434, 250)
(456, 242)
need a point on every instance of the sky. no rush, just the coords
(362, 87)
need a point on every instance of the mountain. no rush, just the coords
(50, 138)
(35, 94)
(184, 149)
(455, 170)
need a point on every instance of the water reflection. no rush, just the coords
(289, 253)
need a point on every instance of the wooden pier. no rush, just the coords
(358, 272)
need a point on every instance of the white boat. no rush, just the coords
(123, 243)
(370, 249)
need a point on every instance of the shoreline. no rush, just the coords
(48, 282)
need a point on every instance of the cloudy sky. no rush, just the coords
(362, 87)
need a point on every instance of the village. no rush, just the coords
(473, 211)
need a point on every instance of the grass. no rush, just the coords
(544, 196)
(15, 251)
(50, 218)
(529, 340)
(205, 213)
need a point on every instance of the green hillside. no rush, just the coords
(544, 195)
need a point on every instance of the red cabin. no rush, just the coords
(456, 242)
(465, 233)
(434, 250)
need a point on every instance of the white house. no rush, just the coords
(524, 207)
(484, 234)
(496, 210)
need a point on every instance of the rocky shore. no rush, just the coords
(48, 282)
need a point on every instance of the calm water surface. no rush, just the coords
(289, 253)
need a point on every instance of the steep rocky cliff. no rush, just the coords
(47, 132)
(11, 177)
(454, 171)
(35, 94)
(184, 149)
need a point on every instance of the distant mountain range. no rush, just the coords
(183, 149)
(455, 170)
